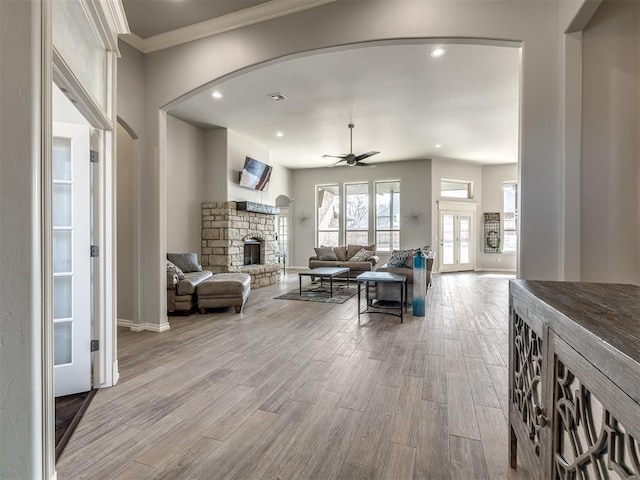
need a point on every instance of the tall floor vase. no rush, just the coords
(419, 283)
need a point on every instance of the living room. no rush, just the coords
(579, 112)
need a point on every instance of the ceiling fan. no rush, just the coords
(351, 159)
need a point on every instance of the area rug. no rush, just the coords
(316, 293)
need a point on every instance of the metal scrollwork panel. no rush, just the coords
(590, 442)
(527, 367)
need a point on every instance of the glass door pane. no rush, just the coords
(465, 239)
(448, 239)
(62, 251)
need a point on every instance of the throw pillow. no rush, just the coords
(174, 270)
(187, 262)
(362, 256)
(326, 254)
(341, 253)
(398, 258)
(353, 249)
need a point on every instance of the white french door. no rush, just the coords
(456, 241)
(71, 212)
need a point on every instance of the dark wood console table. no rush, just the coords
(574, 379)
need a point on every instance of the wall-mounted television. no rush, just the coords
(255, 174)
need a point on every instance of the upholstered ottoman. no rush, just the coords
(224, 290)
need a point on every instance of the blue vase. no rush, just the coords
(419, 283)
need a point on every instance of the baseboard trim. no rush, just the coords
(141, 327)
(497, 270)
(115, 373)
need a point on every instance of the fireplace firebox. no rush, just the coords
(252, 251)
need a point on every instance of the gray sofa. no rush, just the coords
(343, 255)
(184, 274)
(181, 294)
(389, 292)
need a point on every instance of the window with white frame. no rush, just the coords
(510, 210)
(387, 215)
(357, 213)
(456, 189)
(328, 215)
(365, 205)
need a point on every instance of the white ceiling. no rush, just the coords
(403, 102)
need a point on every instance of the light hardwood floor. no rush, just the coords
(292, 389)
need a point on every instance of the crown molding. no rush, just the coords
(225, 23)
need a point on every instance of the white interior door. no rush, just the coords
(71, 207)
(456, 241)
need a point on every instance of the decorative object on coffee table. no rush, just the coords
(419, 283)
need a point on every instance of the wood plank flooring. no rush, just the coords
(292, 389)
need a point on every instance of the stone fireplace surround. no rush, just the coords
(224, 230)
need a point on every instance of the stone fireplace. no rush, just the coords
(236, 240)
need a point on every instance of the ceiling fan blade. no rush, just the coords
(365, 155)
(337, 156)
(362, 164)
(337, 163)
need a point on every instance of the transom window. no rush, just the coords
(370, 210)
(456, 189)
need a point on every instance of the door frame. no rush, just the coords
(458, 207)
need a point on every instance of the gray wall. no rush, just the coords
(130, 109)
(186, 180)
(22, 378)
(126, 198)
(216, 146)
(493, 177)
(415, 197)
(610, 148)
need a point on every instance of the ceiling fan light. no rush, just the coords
(438, 52)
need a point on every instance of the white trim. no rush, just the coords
(135, 41)
(124, 323)
(44, 196)
(64, 77)
(54, 476)
(497, 270)
(141, 327)
(115, 372)
(461, 205)
(224, 23)
(108, 19)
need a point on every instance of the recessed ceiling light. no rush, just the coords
(279, 134)
(216, 94)
(277, 96)
(438, 52)
(438, 145)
